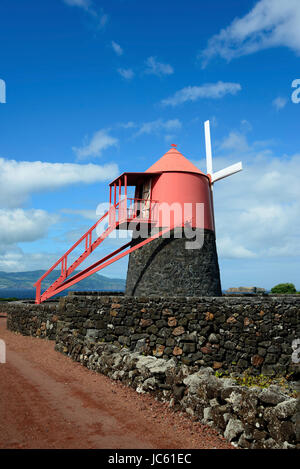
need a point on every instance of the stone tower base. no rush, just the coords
(164, 267)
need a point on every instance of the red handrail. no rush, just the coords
(114, 256)
(136, 205)
(71, 249)
(63, 259)
(115, 218)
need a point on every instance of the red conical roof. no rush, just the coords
(173, 160)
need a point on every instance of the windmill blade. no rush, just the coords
(209, 169)
(234, 168)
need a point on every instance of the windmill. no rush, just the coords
(158, 264)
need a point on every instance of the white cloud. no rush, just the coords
(88, 6)
(126, 73)
(246, 126)
(10, 260)
(236, 142)
(117, 48)
(209, 90)
(100, 141)
(20, 179)
(85, 4)
(157, 68)
(127, 125)
(14, 259)
(257, 211)
(279, 103)
(228, 249)
(271, 23)
(103, 20)
(169, 138)
(88, 214)
(18, 225)
(158, 126)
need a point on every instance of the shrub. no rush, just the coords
(284, 288)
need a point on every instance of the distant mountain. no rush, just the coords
(21, 284)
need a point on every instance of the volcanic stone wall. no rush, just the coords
(227, 333)
(173, 347)
(168, 268)
(30, 319)
(248, 417)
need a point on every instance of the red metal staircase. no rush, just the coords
(119, 215)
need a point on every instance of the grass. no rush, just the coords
(8, 299)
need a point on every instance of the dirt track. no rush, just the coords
(48, 401)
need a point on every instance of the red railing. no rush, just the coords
(127, 209)
(65, 271)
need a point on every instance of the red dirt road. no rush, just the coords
(48, 401)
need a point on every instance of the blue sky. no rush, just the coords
(96, 87)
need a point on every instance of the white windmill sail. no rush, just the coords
(208, 148)
(223, 173)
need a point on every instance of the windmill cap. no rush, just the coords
(173, 161)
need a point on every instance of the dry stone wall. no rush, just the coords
(31, 319)
(174, 347)
(230, 334)
(247, 417)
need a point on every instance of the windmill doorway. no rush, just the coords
(146, 199)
